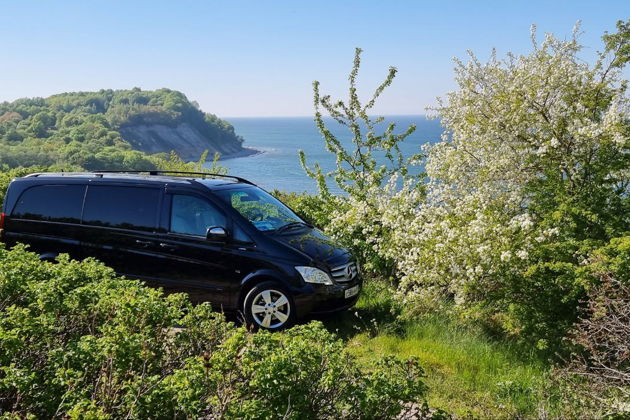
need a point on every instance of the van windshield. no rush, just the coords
(263, 210)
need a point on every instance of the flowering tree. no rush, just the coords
(533, 173)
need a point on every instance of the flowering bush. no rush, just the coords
(78, 342)
(532, 174)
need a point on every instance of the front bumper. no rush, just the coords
(321, 299)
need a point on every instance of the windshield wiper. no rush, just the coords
(292, 225)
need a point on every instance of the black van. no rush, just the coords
(217, 238)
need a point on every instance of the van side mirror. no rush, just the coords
(216, 234)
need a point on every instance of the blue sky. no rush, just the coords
(259, 58)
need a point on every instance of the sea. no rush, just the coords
(278, 139)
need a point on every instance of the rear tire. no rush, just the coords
(269, 306)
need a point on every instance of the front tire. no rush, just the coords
(269, 306)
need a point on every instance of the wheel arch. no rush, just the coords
(251, 280)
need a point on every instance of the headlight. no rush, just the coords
(314, 275)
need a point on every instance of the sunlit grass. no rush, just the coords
(469, 373)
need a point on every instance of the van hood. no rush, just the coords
(316, 245)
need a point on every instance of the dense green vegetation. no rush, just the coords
(479, 372)
(83, 129)
(526, 194)
(78, 342)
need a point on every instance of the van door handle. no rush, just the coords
(168, 247)
(143, 244)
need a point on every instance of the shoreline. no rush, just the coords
(246, 152)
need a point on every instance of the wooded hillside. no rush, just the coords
(109, 129)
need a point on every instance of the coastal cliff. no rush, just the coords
(184, 138)
(111, 129)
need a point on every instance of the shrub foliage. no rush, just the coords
(602, 334)
(530, 178)
(76, 341)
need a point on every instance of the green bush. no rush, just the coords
(76, 341)
(369, 171)
(595, 382)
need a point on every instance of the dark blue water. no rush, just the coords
(280, 139)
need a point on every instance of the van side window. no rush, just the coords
(121, 207)
(193, 216)
(54, 203)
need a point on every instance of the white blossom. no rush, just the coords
(473, 225)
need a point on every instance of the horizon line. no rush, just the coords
(312, 116)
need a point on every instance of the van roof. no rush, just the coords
(207, 179)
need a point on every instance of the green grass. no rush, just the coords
(470, 373)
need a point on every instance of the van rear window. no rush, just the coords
(121, 207)
(54, 203)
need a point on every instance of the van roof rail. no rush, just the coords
(158, 172)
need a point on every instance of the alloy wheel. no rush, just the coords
(270, 309)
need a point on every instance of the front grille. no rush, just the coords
(344, 273)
